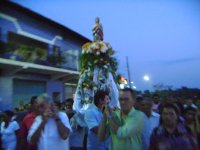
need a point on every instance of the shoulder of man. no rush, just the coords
(38, 119)
(62, 115)
(154, 114)
(117, 113)
(135, 112)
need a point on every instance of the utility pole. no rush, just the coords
(128, 71)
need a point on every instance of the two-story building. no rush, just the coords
(37, 55)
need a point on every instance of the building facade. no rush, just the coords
(37, 55)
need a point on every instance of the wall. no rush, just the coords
(6, 93)
(54, 87)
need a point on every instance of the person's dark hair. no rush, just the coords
(139, 98)
(16, 109)
(180, 106)
(69, 100)
(99, 95)
(33, 99)
(133, 93)
(9, 113)
(172, 106)
(58, 104)
(155, 95)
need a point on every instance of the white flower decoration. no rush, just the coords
(98, 53)
(104, 48)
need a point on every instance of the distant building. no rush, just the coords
(37, 55)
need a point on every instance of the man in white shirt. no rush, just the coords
(51, 128)
(9, 130)
(156, 103)
(76, 139)
(151, 119)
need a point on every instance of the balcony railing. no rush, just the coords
(63, 59)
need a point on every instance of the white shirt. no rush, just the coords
(192, 105)
(93, 118)
(149, 124)
(8, 136)
(50, 138)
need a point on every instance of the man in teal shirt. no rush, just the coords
(125, 126)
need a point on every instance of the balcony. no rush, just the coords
(23, 58)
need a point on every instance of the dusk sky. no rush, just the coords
(160, 37)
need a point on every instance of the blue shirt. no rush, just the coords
(149, 124)
(93, 117)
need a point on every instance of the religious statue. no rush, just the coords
(96, 73)
(97, 30)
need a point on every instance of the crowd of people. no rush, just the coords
(141, 123)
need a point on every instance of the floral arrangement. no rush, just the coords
(97, 63)
(98, 54)
(96, 47)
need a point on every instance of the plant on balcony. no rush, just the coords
(56, 60)
(40, 57)
(31, 54)
(10, 50)
(26, 52)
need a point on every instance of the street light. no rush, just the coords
(146, 78)
(134, 87)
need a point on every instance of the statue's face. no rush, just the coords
(97, 20)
